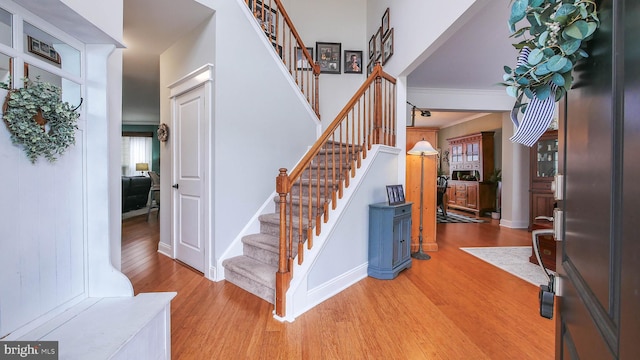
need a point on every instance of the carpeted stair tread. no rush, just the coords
(262, 241)
(275, 219)
(305, 200)
(262, 273)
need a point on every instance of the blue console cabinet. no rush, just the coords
(389, 239)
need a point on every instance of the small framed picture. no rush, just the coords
(301, 61)
(370, 67)
(378, 44)
(385, 22)
(395, 194)
(387, 47)
(328, 56)
(43, 49)
(372, 46)
(352, 62)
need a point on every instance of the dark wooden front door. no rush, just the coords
(599, 292)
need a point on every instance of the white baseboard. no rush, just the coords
(514, 224)
(165, 250)
(334, 286)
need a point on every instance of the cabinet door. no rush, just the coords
(472, 196)
(401, 245)
(473, 152)
(456, 154)
(395, 243)
(451, 194)
(541, 204)
(545, 158)
(405, 238)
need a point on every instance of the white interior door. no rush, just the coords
(190, 196)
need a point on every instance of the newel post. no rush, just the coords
(377, 106)
(283, 275)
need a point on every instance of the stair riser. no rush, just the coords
(260, 254)
(325, 192)
(249, 285)
(274, 230)
(324, 172)
(332, 158)
(295, 207)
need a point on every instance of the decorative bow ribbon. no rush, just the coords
(537, 115)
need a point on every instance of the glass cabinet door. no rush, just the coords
(547, 158)
(473, 151)
(456, 153)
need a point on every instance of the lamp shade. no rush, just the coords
(422, 147)
(142, 167)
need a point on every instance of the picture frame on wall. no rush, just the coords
(395, 194)
(378, 44)
(328, 55)
(370, 67)
(301, 62)
(43, 49)
(372, 46)
(385, 22)
(387, 47)
(352, 62)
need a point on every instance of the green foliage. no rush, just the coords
(495, 176)
(22, 106)
(558, 31)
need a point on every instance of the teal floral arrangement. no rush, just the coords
(39, 120)
(555, 35)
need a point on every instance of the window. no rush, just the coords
(136, 148)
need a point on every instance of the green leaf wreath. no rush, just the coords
(559, 30)
(39, 120)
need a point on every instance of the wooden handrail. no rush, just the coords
(377, 73)
(287, 42)
(319, 179)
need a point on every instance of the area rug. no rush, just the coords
(456, 218)
(512, 259)
(133, 213)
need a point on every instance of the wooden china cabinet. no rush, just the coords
(470, 166)
(544, 165)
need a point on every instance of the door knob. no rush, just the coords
(175, 186)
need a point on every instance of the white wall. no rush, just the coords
(420, 26)
(515, 179)
(107, 15)
(259, 123)
(335, 21)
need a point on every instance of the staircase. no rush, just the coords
(255, 270)
(305, 193)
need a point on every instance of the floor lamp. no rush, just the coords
(422, 148)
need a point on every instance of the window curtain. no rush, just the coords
(135, 150)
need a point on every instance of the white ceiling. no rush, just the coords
(472, 58)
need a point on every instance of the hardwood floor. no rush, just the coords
(453, 306)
